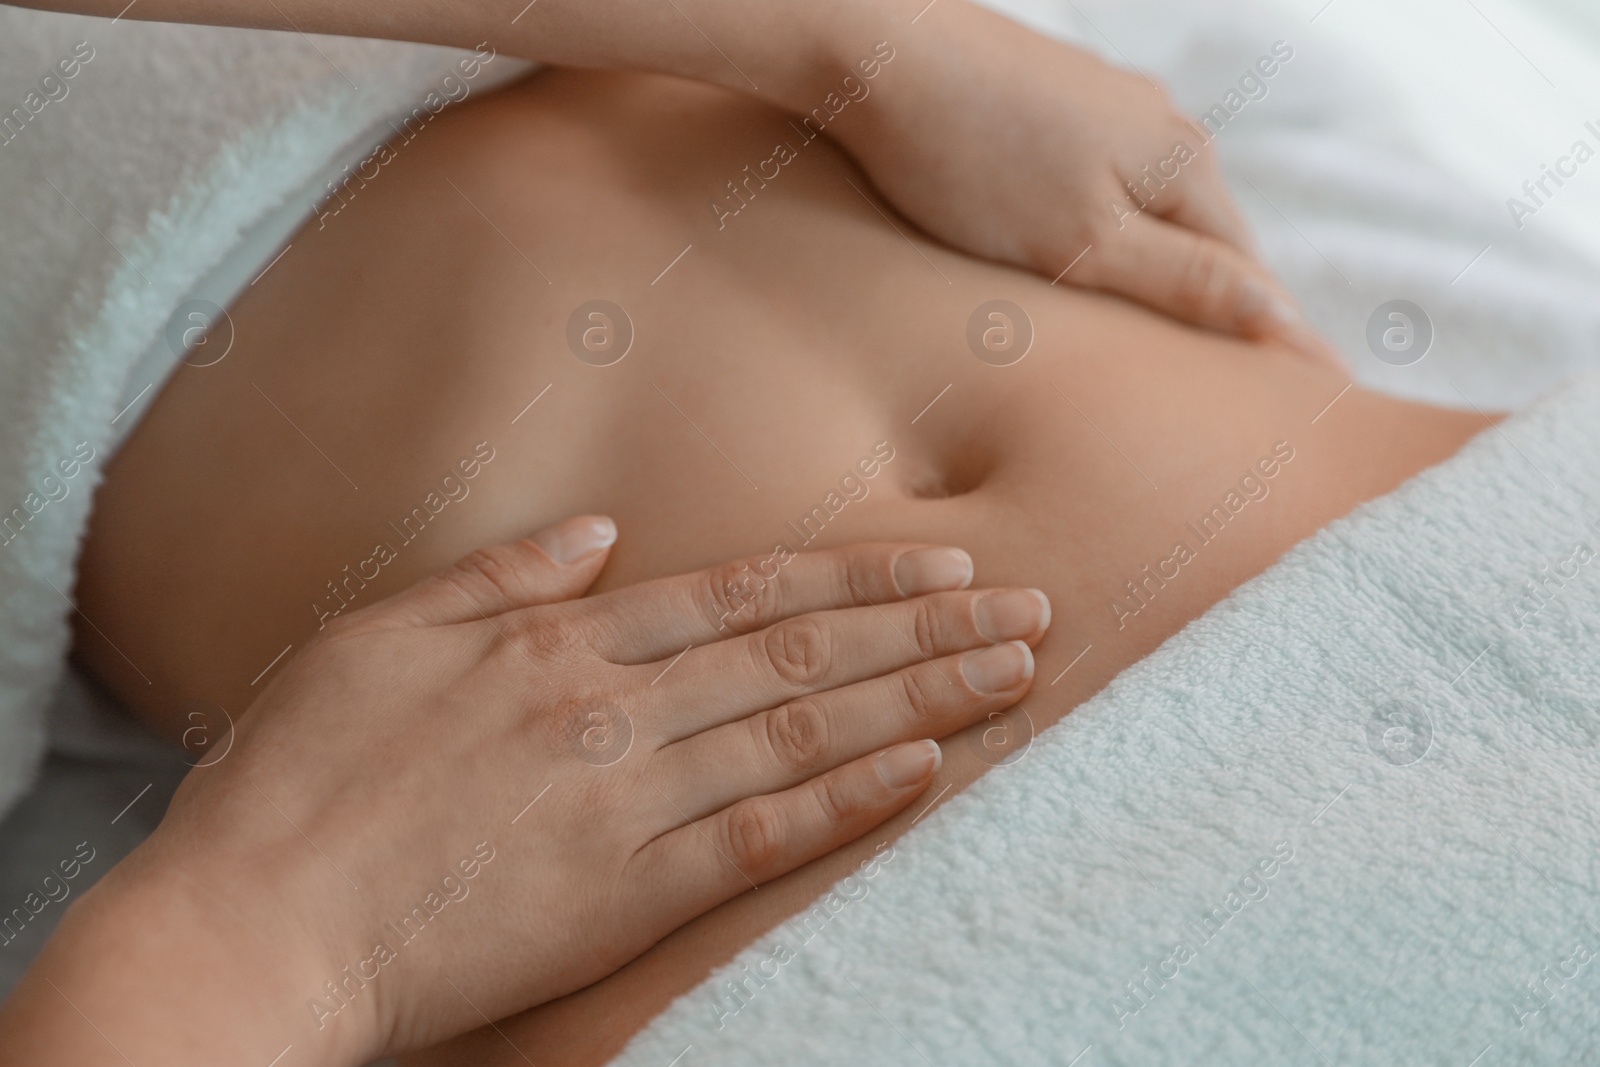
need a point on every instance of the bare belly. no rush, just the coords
(1133, 469)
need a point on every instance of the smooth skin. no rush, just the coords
(1076, 130)
(786, 344)
(595, 772)
(1004, 143)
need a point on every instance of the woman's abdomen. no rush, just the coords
(534, 311)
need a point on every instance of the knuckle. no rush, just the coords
(488, 572)
(798, 650)
(1092, 250)
(740, 599)
(920, 695)
(927, 625)
(1097, 227)
(1206, 281)
(755, 835)
(861, 571)
(589, 629)
(834, 802)
(342, 626)
(797, 733)
(537, 635)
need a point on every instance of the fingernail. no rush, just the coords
(908, 764)
(998, 667)
(1013, 613)
(573, 539)
(928, 570)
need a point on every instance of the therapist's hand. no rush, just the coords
(1018, 148)
(481, 794)
(990, 136)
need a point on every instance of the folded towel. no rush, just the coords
(1346, 816)
(134, 157)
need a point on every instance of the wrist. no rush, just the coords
(168, 970)
(808, 48)
(879, 73)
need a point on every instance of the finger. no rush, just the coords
(1199, 279)
(657, 620)
(1204, 204)
(1200, 201)
(557, 563)
(827, 649)
(756, 840)
(783, 747)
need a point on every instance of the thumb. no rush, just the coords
(1201, 280)
(557, 563)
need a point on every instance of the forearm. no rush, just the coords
(784, 51)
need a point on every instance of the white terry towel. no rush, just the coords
(134, 158)
(1347, 816)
